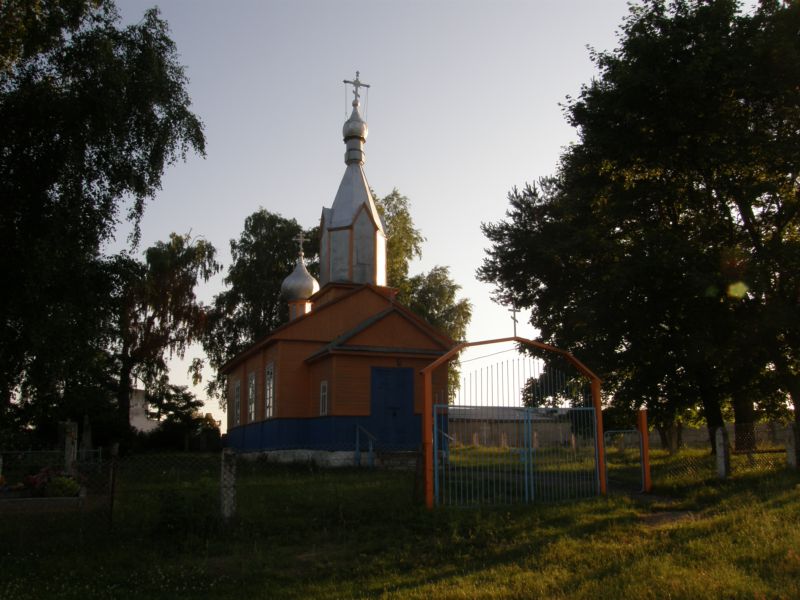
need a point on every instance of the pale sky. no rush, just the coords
(463, 106)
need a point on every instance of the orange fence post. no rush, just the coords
(641, 425)
(427, 435)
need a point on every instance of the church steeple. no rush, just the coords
(353, 242)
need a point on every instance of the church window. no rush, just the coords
(323, 398)
(251, 397)
(269, 391)
(237, 402)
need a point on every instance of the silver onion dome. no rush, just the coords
(299, 285)
(355, 126)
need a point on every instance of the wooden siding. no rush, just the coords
(394, 331)
(351, 381)
(335, 319)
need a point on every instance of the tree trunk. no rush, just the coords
(744, 422)
(670, 436)
(713, 411)
(124, 393)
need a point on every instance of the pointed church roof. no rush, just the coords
(354, 190)
(353, 193)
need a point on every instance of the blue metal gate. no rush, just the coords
(513, 454)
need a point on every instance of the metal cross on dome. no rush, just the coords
(356, 83)
(300, 238)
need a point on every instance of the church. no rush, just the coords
(345, 370)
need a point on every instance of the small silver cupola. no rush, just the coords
(300, 285)
(355, 129)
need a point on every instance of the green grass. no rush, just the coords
(307, 533)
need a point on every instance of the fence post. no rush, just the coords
(70, 445)
(793, 446)
(641, 425)
(112, 483)
(227, 484)
(723, 452)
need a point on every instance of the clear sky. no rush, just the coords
(464, 105)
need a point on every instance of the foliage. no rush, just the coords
(28, 28)
(403, 240)
(181, 424)
(92, 114)
(157, 313)
(251, 306)
(430, 295)
(52, 483)
(665, 251)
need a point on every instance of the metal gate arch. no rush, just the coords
(433, 442)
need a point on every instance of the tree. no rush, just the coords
(92, 114)
(251, 306)
(403, 240)
(158, 314)
(665, 250)
(177, 410)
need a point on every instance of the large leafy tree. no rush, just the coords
(92, 114)
(157, 313)
(665, 251)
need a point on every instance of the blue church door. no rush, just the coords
(392, 407)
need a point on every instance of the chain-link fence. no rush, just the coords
(45, 501)
(162, 494)
(188, 495)
(43, 496)
(698, 455)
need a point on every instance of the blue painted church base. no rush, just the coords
(323, 433)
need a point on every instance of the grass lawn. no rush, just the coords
(304, 533)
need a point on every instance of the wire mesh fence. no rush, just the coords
(624, 467)
(162, 494)
(497, 455)
(752, 449)
(43, 496)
